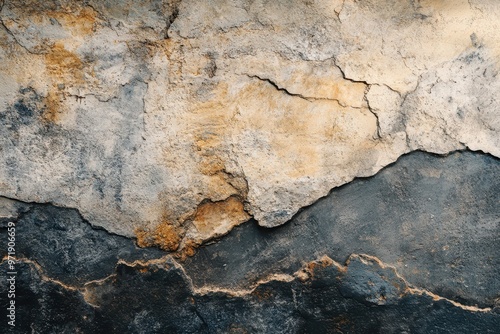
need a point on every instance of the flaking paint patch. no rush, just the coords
(276, 100)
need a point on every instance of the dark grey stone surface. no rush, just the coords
(42, 306)
(158, 298)
(67, 247)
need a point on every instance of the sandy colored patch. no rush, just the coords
(217, 218)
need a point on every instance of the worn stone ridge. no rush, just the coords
(138, 115)
(365, 296)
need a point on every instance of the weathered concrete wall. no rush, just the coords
(356, 144)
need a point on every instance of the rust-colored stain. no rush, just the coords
(309, 269)
(210, 215)
(64, 68)
(210, 219)
(321, 263)
(210, 165)
(53, 103)
(164, 236)
(188, 250)
(62, 63)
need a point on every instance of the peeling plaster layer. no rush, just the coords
(435, 219)
(140, 115)
(66, 246)
(429, 224)
(176, 165)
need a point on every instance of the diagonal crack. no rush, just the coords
(410, 289)
(304, 97)
(281, 89)
(11, 34)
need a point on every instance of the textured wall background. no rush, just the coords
(252, 166)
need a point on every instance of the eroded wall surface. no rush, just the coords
(257, 166)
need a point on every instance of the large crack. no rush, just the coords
(338, 101)
(363, 287)
(303, 275)
(300, 237)
(273, 277)
(365, 98)
(301, 96)
(417, 290)
(281, 89)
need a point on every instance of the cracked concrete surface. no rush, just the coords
(130, 131)
(100, 112)
(434, 218)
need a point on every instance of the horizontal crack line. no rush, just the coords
(303, 274)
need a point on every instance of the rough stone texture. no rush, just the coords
(364, 296)
(434, 219)
(132, 134)
(430, 224)
(65, 246)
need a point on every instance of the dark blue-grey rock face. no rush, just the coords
(430, 227)
(68, 248)
(436, 219)
(157, 298)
